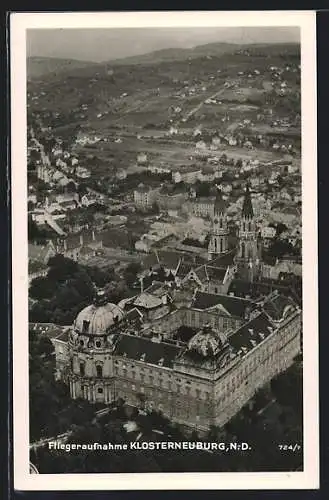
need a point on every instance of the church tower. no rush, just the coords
(248, 256)
(218, 244)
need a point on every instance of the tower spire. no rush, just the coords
(247, 210)
(220, 205)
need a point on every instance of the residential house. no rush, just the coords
(82, 173)
(144, 196)
(207, 174)
(75, 246)
(189, 175)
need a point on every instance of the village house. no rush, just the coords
(189, 175)
(75, 246)
(207, 174)
(82, 173)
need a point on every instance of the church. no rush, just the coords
(180, 349)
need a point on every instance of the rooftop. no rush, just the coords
(146, 350)
(233, 306)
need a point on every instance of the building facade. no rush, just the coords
(231, 348)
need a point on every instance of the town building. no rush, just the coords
(189, 175)
(145, 197)
(75, 246)
(203, 206)
(198, 366)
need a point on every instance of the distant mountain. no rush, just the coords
(41, 66)
(208, 50)
(178, 54)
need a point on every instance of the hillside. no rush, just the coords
(252, 91)
(177, 54)
(37, 67)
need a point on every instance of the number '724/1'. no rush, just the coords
(289, 447)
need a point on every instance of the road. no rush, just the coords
(199, 106)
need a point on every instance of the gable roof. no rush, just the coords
(234, 306)
(223, 260)
(216, 273)
(169, 259)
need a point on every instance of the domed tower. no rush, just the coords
(91, 344)
(218, 243)
(248, 256)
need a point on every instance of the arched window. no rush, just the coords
(221, 223)
(249, 228)
(243, 226)
(221, 245)
(243, 250)
(99, 371)
(215, 245)
(82, 369)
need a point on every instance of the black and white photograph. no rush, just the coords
(164, 223)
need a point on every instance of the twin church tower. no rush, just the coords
(248, 256)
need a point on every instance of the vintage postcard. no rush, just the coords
(165, 330)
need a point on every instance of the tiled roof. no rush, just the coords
(216, 273)
(275, 307)
(250, 334)
(234, 306)
(147, 301)
(169, 259)
(157, 289)
(263, 288)
(201, 273)
(146, 350)
(183, 269)
(133, 314)
(223, 260)
(150, 261)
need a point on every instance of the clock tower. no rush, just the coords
(218, 244)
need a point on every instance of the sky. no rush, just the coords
(99, 45)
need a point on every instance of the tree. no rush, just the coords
(131, 272)
(41, 288)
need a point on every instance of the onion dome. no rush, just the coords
(206, 342)
(97, 319)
